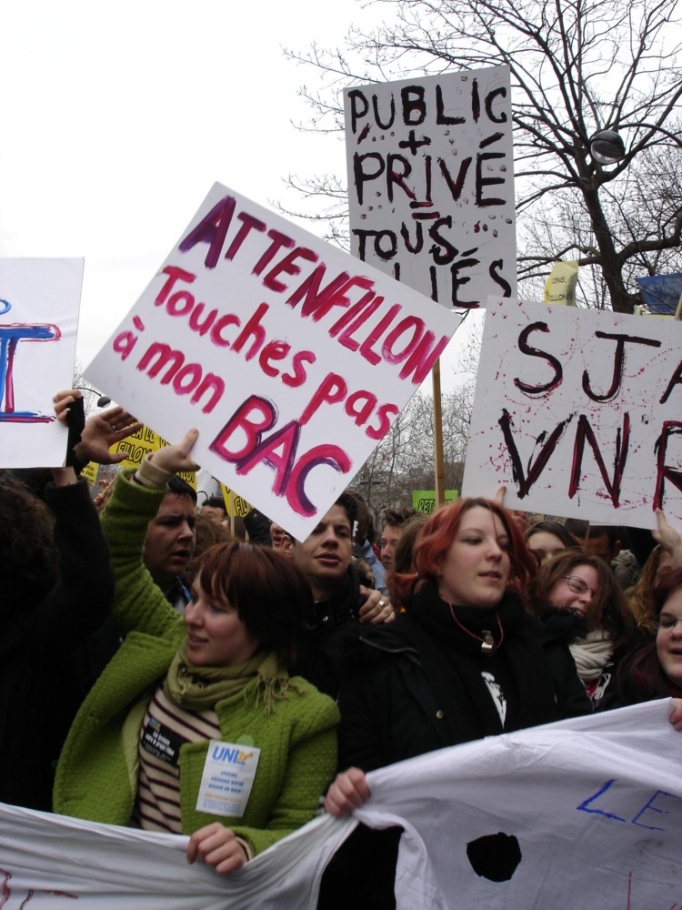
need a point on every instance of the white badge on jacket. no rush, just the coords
(228, 777)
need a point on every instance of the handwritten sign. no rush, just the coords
(582, 813)
(39, 304)
(578, 412)
(291, 357)
(431, 183)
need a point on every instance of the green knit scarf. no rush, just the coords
(196, 688)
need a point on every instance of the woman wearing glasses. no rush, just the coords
(581, 603)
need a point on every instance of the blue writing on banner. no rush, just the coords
(649, 806)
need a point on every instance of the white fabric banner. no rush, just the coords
(583, 813)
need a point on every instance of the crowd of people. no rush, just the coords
(143, 643)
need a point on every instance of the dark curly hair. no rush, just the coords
(29, 562)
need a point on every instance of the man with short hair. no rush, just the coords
(324, 557)
(363, 539)
(214, 508)
(393, 521)
(170, 541)
(596, 540)
(605, 542)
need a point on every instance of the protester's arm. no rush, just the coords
(669, 538)
(139, 603)
(81, 600)
(310, 766)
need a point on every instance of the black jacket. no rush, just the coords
(394, 705)
(48, 658)
(413, 691)
(322, 653)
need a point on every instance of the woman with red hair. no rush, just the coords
(465, 661)
(655, 669)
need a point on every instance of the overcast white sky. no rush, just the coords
(117, 118)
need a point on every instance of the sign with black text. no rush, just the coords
(431, 183)
(579, 413)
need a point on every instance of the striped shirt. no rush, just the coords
(165, 728)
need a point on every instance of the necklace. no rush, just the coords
(488, 646)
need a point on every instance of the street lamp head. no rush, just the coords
(607, 147)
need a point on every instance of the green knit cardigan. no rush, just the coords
(95, 777)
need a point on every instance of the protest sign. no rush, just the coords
(290, 356)
(561, 284)
(578, 413)
(431, 183)
(582, 813)
(425, 500)
(39, 304)
(234, 504)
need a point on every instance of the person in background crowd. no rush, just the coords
(403, 558)
(547, 538)
(655, 669)
(57, 589)
(207, 533)
(214, 508)
(138, 748)
(641, 596)
(603, 541)
(340, 597)
(465, 661)
(667, 554)
(170, 540)
(581, 603)
(393, 521)
(257, 527)
(281, 540)
(363, 545)
(606, 542)
(403, 561)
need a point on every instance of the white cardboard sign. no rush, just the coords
(431, 183)
(39, 306)
(290, 356)
(579, 413)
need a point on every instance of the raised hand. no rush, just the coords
(177, 457)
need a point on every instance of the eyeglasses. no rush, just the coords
(577, 585)
(667, 623)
